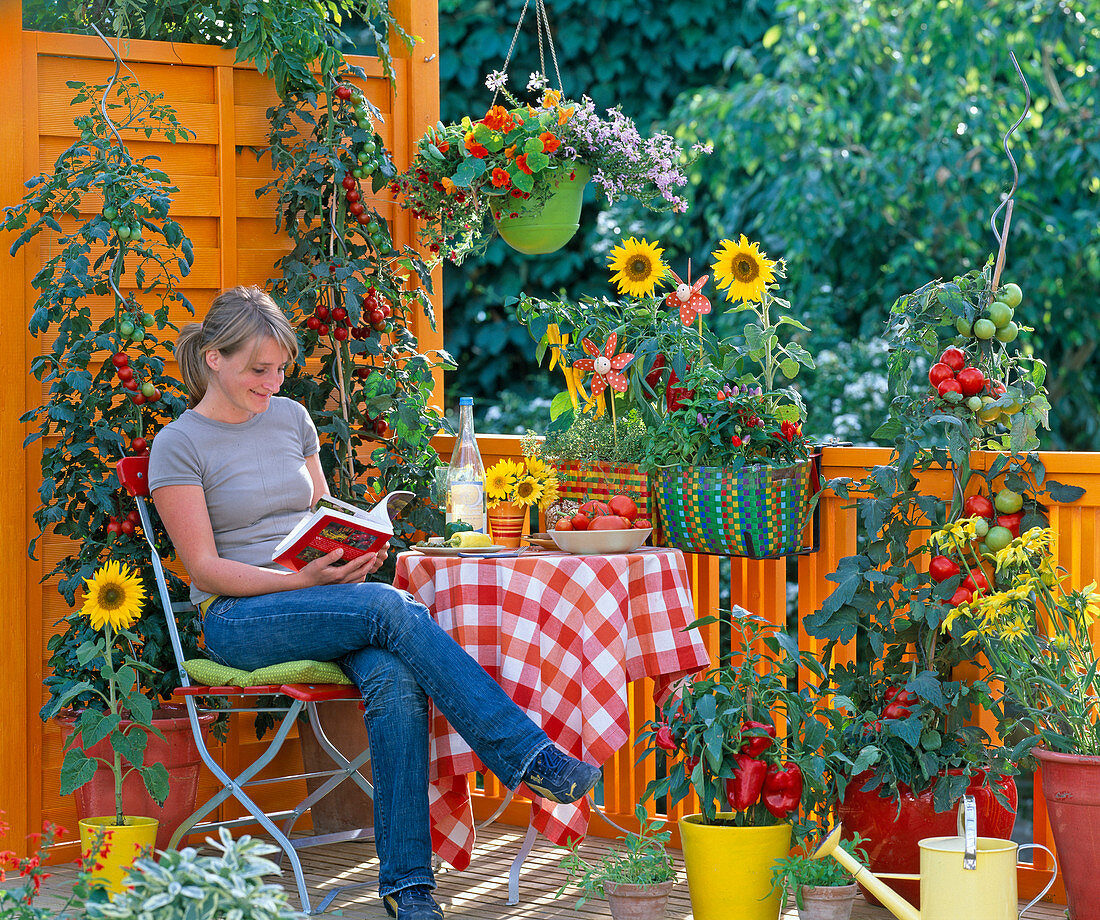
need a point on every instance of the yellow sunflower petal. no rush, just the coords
(637, 267)
(742, 270)
(113, 597)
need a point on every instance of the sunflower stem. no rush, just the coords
(113, 703)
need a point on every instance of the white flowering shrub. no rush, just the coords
(187, 886)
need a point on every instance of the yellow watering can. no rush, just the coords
(966, 875)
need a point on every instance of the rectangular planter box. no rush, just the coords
(581, 481)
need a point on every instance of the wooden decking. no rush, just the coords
(481, 892)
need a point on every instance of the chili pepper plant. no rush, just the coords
(753, 748)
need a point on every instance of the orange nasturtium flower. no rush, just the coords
(549, 142)
(510, 152)
(551, 99)
(497, 119)
(501, 179)
(476, 149)
(521, 162)
(448, 186)
(565, 114)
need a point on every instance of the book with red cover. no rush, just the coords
(335, 524)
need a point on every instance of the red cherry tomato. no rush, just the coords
(139, 445)
(961, 596)
(580, 521)
(563, 524)
(339, 333)
(348, 182)
(938, 373)
(976, 583)
(978, 506)
(941, 568)
(643, 523)
(124, 374)
(1011, 521)
(351, 195)
(951, 385)
(954, 358)
(119, 359)
(126, 527)
(623, 506)
(321, 312)
(380, 426)
(971, 380)
(609, 522)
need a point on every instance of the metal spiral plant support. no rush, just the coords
(1007, 203)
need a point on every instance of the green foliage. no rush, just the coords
(282, 39)
(353, 297)
(89, 419)
(593, 439)
(792, 873)
(876, 162)
(598, 54)
(642, 860)
(182, 885)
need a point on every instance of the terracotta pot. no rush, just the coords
(506, 522)
(1071, 788)
(637, 902)
(827, 902)
(893, 827)
(180, 756)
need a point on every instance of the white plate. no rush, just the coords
(600, 542)
(459, 550)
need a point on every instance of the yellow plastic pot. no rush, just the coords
(110, 849)
(729, 869)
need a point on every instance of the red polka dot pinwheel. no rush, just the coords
(688, 298)
(604, 366)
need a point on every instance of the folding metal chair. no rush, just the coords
(291, 700)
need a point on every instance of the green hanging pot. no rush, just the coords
(542, 227)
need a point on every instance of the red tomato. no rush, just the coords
(951, 385)
(609, 522)
(971, 380)
(976, 583)
(961, 596)
(941, 568)
(643, 523)
(938, 373)
(348, 182)
(594, 509)
(623, 506)
(978, 506)
(954, 358)
(1011, 521)
(563, 524)
(580, 521)
(119, 359)
(138, 445)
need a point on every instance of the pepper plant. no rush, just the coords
(116, 257)
(911, 690)
(353, 297)
(754, 750)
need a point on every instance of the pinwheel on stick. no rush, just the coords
(605, 368)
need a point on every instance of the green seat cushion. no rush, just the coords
(211, 674)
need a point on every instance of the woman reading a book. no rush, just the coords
(230, 478)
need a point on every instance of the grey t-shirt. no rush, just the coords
(254, 475)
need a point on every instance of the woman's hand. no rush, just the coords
(327, 571)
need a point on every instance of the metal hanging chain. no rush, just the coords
(542, 28)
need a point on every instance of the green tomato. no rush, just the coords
(126, 329)
(1008, 333)
(135, 231)
(137, 335)
(1008, 502)
(123, 232)
(147, 320)
(998, 538)
(983, 547)
(363, 157)
(116, 223)
(984, 329)
(110, 213)
(974, 403)
(1012, 295)
(1000, 313)
(357, 172)
(147, 390)
(964, 327)
(981, 526)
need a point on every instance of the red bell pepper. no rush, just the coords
(743, 790)
(782, 789)
(755, 744)
(665, 740)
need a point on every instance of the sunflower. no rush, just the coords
(743, 268)
(638, 267)
(113, 597)
(537, 468)
(551, 489)
(528, 491)
(501, 479)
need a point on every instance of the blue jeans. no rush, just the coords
(398, 656)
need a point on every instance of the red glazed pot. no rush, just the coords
(180, 756)
(1071, 787)
(892, 834)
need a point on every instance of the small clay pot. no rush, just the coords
(637, 902)
(827, 902)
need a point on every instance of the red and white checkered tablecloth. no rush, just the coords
(563, 635)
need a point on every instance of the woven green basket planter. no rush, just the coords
(756, 511)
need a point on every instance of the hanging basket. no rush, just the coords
(537, 228)
(757, 511)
